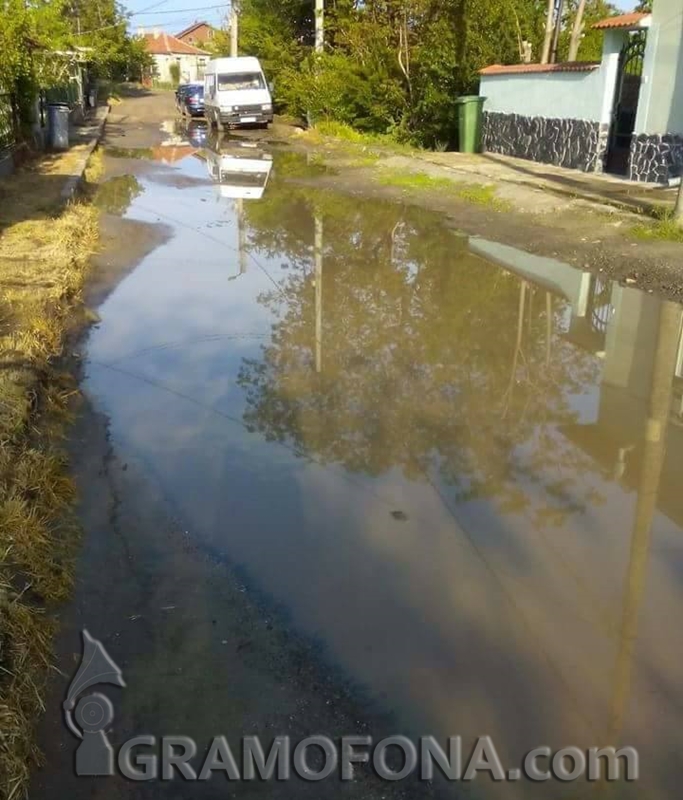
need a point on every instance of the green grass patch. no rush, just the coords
(340, 131)
(415, 180)
(664, 229)
(481, 194)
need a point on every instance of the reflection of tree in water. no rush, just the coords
(433, 360)
(116, 194)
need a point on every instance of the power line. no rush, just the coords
(155, 5)
(179, 11)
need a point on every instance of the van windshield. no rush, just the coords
(240, 81)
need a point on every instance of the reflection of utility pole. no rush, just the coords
(319, 25)
(241, 236)
(548, 328)
(507, 397)
(234, 28)
(648, 488)
(241, 239)
(318, 249)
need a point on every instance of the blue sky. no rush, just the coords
(174, 15)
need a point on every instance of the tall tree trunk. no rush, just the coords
(549, 28)
(577, 31)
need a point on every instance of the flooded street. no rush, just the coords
(443, 474)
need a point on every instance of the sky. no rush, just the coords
(174, 15)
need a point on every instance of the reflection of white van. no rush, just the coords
(240, 169)
(236, 92)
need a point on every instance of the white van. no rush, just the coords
(236, 93)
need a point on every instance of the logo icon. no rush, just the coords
(94, 712)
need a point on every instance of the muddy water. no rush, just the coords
(454, 465)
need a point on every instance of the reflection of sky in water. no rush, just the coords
(469, 617)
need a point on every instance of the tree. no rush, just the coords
(103, 27)
(420, 364)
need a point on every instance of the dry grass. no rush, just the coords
(44, 252)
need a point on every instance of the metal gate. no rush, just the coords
(626, 102)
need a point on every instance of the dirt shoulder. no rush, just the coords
(45, 247)
(593, 236)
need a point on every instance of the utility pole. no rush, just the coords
(678, 210)
(549, 28)
(558, 29)
(319, 26)
(577, 31)
(234, 28)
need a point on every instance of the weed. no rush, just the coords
(471, 192)
(664, 228)
(415, 180)
(345, 133)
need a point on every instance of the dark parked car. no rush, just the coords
(191, 100)
(179, 92)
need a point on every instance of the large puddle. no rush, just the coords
(456, 464)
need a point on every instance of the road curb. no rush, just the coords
(74, 181)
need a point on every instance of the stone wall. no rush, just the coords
(572, 143)
(656, 158)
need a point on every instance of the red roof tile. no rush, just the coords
(163, 44)
(516, 69)
(622, 21)
(169, 154)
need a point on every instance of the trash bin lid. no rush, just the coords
(470, 98)
(58, 105)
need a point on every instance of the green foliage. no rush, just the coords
(36, 36)
(666, 228)
(102, 26)
(590, 48)
(174, 70)
(389, 66)
(335, 86)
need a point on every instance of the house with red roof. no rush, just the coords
(166, 50)
(199, 34)
(621, 115)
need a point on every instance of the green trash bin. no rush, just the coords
(470, 113)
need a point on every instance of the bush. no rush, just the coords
(174, 70)
(336, 87)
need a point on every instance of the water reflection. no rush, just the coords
(445, 457)
(239, 168)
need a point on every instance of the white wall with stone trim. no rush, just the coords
(553, 95)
